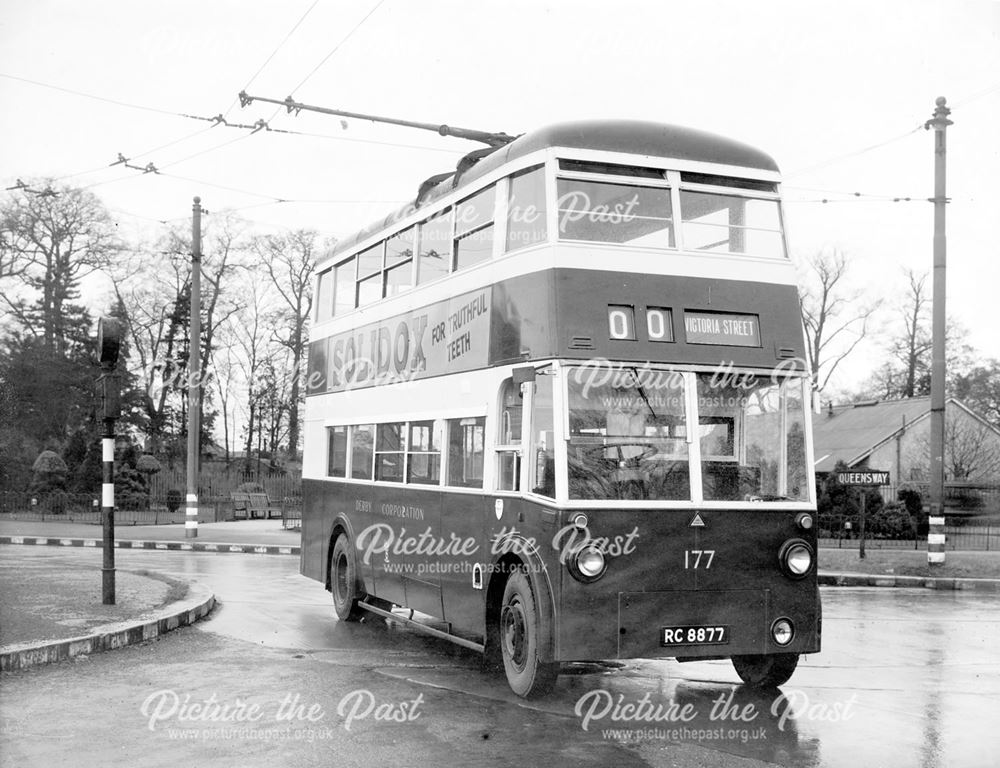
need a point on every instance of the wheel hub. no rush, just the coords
(513, 625)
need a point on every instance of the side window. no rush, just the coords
(389, 454)
(362, 451)
(526, 211)
(324, 296)
(509, 437)
(423, 454)
(474, 229)
(343, 286)
(434, 257)
(337, 452)
(466, 451)
(399, 262)
(370, 275)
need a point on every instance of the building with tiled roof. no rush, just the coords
(894, 435)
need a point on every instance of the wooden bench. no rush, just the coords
(291, 513)
(241, 503)
(259, 505)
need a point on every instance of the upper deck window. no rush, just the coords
(474, 228)
(324, 296)
(526, 210)
(344, 275)
(399, 262)
(613, 169)
(614, 213)
(434, 260)
(729, 181)
(731, 224)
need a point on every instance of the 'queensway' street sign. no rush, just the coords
(863, 477)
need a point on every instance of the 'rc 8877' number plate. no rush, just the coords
(696, 635)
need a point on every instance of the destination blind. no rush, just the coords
(724, 328)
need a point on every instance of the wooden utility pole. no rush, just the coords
(935, 536)
(194, 378)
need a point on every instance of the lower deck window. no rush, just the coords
(389, 453)
(337, 452)
(362, 451)
(466, 451)
(423, 454)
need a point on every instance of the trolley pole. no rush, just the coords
(935, 537)
(108, 345)
(194, 378)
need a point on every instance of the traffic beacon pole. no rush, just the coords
(194, 376)
(108, 346)
(935, 534)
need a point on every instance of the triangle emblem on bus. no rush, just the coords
(697, 522)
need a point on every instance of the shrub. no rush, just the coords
(891, 522)
(130, 490)
(55, 502)
(174, 499)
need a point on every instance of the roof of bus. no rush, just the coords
(629, 136)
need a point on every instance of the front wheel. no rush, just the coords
(344, 581)
(761, 671)
(521, 642)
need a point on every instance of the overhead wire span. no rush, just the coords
(854, 196)
(855, 153)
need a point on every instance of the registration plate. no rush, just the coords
(699, 634)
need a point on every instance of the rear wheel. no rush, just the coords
(344, 583)
(762, 671)
(521, 641)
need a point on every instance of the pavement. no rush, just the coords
(49, 617)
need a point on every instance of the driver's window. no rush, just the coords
(508, 449)
(628, 435)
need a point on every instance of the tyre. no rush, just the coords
(344, 584)
(521, 641)
(761, 671)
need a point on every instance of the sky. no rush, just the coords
(837, 92)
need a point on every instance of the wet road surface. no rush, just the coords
(906, 678)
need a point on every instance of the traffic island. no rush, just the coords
(51, 613)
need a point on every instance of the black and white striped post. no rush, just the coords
(108, 346)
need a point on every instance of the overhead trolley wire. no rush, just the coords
(277, 48)
(338, 45)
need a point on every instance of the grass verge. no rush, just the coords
(957, 565)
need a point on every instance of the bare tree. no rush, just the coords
(836, 319)
(248, 328)
(906, 372)
(913, 346)
(289, 260)
(972, 450)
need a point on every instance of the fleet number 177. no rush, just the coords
(698, 558)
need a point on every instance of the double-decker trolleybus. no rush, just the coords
(558, 405)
